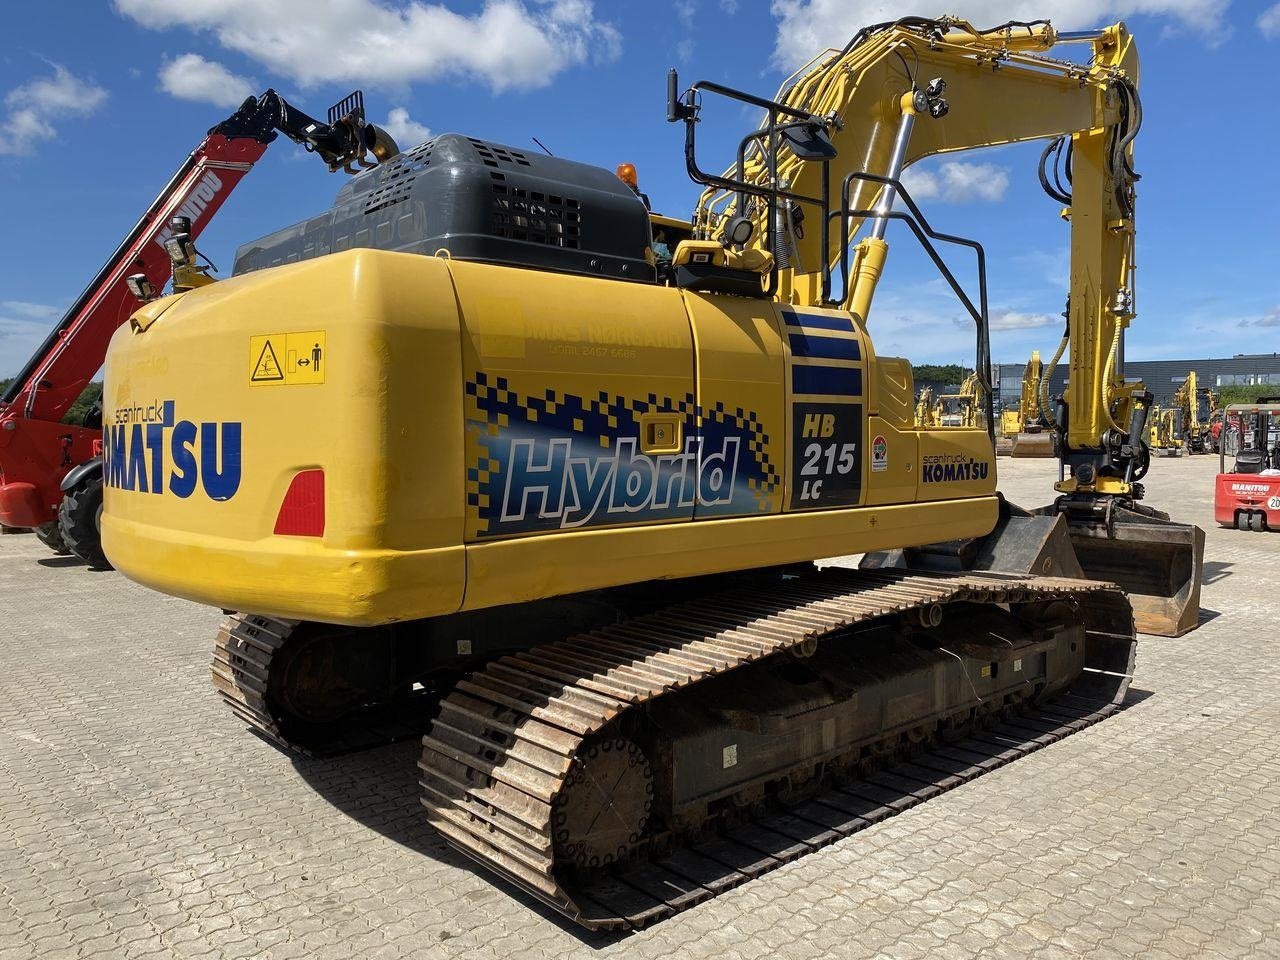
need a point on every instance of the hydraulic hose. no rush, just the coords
(1046, 410)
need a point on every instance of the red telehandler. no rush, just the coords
(50, 471)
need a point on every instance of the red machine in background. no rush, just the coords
(50, 471)
(1248, 496)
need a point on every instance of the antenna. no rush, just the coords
(544, 147)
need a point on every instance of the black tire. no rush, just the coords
(79, 519)
(1258, 522)
(49, 535)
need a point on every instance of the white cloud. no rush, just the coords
(1269, 22)
(1016, 320)
(509, 44)
(957, 182)
(23, 327)
(192, 77)
(807, 27)
(406, 131)
(1269, 319)
(32, 108)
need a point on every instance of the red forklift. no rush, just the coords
(50, 471)
(1247, 496)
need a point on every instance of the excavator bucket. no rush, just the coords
(1033, 445)
(1156, 561)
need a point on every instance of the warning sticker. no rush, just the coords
(287, 358)
(879, 455)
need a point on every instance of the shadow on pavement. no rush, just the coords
(59, 562)
(1216, 571)
(379, 789)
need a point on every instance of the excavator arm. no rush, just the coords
(37, 451)
(809, 199)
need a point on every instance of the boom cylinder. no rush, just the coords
(897, 159)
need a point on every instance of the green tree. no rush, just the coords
(934, 373)
(1236, 393)
(75, 415)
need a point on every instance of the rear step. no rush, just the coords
(503, 766)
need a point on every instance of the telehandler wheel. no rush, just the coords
(80, 520)
(1258, 522)
(49, 535)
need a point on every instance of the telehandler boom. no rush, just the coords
(470, 442)
(51, 472)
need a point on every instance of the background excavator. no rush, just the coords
(1165, 431)
(50, 471)
(1023, 426)
(468, 446)
(926, 411)
(963, 408)
(1196, 406)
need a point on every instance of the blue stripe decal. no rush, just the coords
(821, 321)
(825, 348)
(830, 381)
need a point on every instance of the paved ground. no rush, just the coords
(138, 818)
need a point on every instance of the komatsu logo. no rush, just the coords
(545, 481)
(145, 448)
(201, 194)
(952, 467)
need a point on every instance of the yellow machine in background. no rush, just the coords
(962, 409)
(1025, 425)
(1165, 431)
(926, 413)
(1196, 406)
(472, 446)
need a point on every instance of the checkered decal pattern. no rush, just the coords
(498, 417)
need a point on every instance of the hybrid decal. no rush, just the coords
(545, 480)
(195, 205)
(559, 461)
(954, 467)
(146, 449)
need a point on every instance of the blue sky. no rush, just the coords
(97, 108)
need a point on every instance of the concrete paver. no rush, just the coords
(139, 819)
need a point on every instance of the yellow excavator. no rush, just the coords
(926, 412)
(471, 448)
(1023, 426)
(1195, 406)
(964, 408)
(1166, 431)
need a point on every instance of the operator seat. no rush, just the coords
(1251, 460)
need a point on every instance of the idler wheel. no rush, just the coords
(601, 813)
(324, 673)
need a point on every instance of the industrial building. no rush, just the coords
(1162, 377)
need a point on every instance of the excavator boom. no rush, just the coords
(858, 117)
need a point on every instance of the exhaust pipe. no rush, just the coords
(378, 142)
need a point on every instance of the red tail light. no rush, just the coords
(302, 511)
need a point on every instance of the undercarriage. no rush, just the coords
(628, 770)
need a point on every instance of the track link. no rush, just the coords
(244, 650)
(511, 738)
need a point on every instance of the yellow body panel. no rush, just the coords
(490, 434)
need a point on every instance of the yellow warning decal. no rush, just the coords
(287, 358)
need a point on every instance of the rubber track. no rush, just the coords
(242, 653)
(505, 740)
